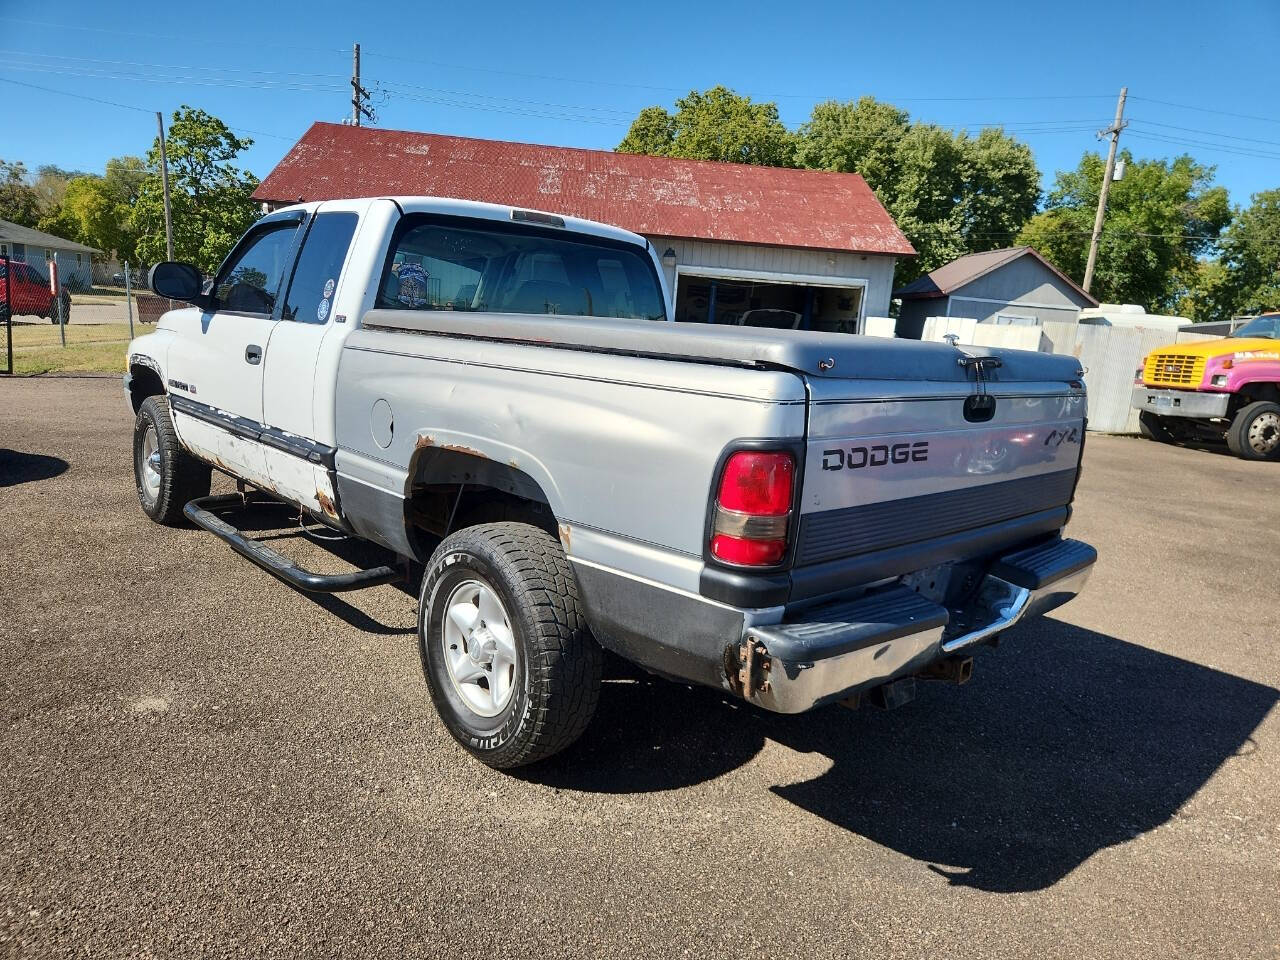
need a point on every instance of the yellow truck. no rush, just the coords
(1226, 389)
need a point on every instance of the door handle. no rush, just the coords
(253, 353)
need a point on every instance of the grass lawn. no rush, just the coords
(91, 348)
(100, 295)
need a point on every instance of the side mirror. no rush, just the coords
(178, 281)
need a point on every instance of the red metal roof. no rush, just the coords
(657, 196)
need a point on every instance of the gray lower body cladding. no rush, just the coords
(665, 631)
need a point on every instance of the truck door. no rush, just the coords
(215, 368)
(298, 449)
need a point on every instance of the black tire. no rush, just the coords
(1152, 427)
(557, 674)
(66, 307)
(1254, 434)
(182, 477)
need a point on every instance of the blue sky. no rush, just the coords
(574, 73)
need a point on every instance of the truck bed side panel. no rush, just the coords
(622, 447)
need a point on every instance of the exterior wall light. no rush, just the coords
(669, 257)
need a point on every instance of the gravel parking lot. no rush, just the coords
(196, 760)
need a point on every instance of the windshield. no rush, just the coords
(1267, 325)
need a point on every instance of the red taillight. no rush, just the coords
(749, 553)
(757, 483)
(753, 508)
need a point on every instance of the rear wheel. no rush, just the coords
(513, 670)
(167, 476)
(1254, 434)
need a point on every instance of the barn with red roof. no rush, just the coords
(740, 244)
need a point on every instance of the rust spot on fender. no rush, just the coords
(513, 463)
(326, 504)
(459, 448)
(426, 440)
(566, 536)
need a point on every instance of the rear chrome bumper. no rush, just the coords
(1180, 403)
(848, 647)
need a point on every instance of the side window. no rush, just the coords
(315, 278)
(250, 281)
(448, 264)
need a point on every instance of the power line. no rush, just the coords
(1216, 112)
(78, 96)
(1222, 148)
(193, 37)
(127, 106)
(199, 81)
(1211, 133)
(169, 66)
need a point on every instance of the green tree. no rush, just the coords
(950, 193)
(211, 199)
(50, 186)
(717, 124)
(861, 137)
(1249, 278)
(97, 211)
(1162, 219)
(18, 201)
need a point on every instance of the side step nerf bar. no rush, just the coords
(199, 512)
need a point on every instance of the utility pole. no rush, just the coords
(358, 93)
(164, 177)
(1114, 131)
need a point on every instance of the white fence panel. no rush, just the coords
(881, 327)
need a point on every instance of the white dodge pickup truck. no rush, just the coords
(797, 518)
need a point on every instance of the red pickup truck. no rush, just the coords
(30, 293)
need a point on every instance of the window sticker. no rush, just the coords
(322, 311)
(328, 288)
(413, 285)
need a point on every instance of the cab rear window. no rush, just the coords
(440, 263)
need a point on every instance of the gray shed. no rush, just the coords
(1013, 286)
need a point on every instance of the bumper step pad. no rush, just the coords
(838, 628)
(200, 512)
(1037, 567)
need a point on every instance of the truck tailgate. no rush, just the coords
(897, 476)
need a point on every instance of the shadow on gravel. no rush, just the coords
(1066, 742)
(17, 467)
(276, 525)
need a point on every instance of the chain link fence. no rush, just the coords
(68, 313)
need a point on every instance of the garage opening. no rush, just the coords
(781, 306)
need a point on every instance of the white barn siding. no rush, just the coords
(875, 270)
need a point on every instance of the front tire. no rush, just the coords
(512, 668)
(1254, 434)
(167, 476)
(1153, 427)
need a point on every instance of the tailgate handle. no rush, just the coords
(979, 407)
